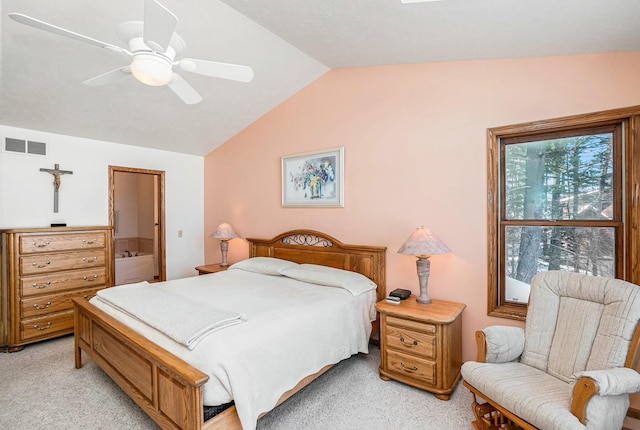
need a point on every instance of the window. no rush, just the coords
(557, 194)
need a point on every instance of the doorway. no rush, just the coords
(136, 212)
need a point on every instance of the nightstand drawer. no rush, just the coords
(411, 341)
(414, 325)
(409, 366)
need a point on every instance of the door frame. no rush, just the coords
(162, 267)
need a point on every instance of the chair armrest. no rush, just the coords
(610, 382)
(499, 344)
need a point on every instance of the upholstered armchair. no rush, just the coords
(571, 367)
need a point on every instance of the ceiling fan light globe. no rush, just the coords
(151, 70)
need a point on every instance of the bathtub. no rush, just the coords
(134, 269)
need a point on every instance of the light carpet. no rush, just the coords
(41, 389)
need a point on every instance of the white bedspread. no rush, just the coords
(292, 330)
(165, 310)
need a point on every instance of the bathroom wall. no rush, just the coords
(134, 205)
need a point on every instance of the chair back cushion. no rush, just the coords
(578, 322)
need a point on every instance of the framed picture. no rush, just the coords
(313, 179)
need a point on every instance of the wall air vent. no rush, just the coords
(15, 145)
(25, 146)
(37, 148)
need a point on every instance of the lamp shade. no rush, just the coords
(224, 231)
(423, 242)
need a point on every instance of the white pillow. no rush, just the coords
(264, 265)
(353, 282)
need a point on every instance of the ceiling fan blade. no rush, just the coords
(109, 77)
(36, 23)
(214, 69)
(184, 90)
(159, 24)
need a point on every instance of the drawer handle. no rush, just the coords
(41, 244)
(38, 307)
(86, 297)
(40, 266)
(90, 241)
(90, 260)
(406, 369)
(45, 285)
(410, 345)
(90, 278)
(37, 327)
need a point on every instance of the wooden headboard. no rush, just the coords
(314, 247)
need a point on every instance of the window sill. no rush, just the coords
(514, 312)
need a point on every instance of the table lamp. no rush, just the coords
(423, 243)
(225, 233)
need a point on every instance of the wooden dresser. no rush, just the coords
(421, 345)
(42, 269)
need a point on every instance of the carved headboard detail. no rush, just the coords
(314, 247)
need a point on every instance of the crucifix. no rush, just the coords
(56, 172)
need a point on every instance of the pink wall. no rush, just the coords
(415, 154)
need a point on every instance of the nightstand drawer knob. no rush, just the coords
(410, 345)
(414, 369)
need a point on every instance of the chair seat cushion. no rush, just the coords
(537, 397)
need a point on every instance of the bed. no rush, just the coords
(172, 391)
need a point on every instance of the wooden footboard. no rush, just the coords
(167, 388)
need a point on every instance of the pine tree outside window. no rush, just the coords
(557, 200)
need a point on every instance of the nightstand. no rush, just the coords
(421, 345)
(211, 268)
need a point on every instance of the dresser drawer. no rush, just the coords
(409, 366)
(47, 325)
(61, 242)
(55, 282)
(410, 341)
(44, 263)
(42, 305)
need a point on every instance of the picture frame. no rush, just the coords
(313, 179)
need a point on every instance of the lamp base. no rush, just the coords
(423, 300)
(224, 247)
(423, 266)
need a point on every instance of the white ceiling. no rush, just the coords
(288, 43)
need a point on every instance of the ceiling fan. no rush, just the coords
(154, 47)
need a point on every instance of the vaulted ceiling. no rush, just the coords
(287, 43)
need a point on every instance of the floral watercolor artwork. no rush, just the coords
(313, 179)
(316, 178)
